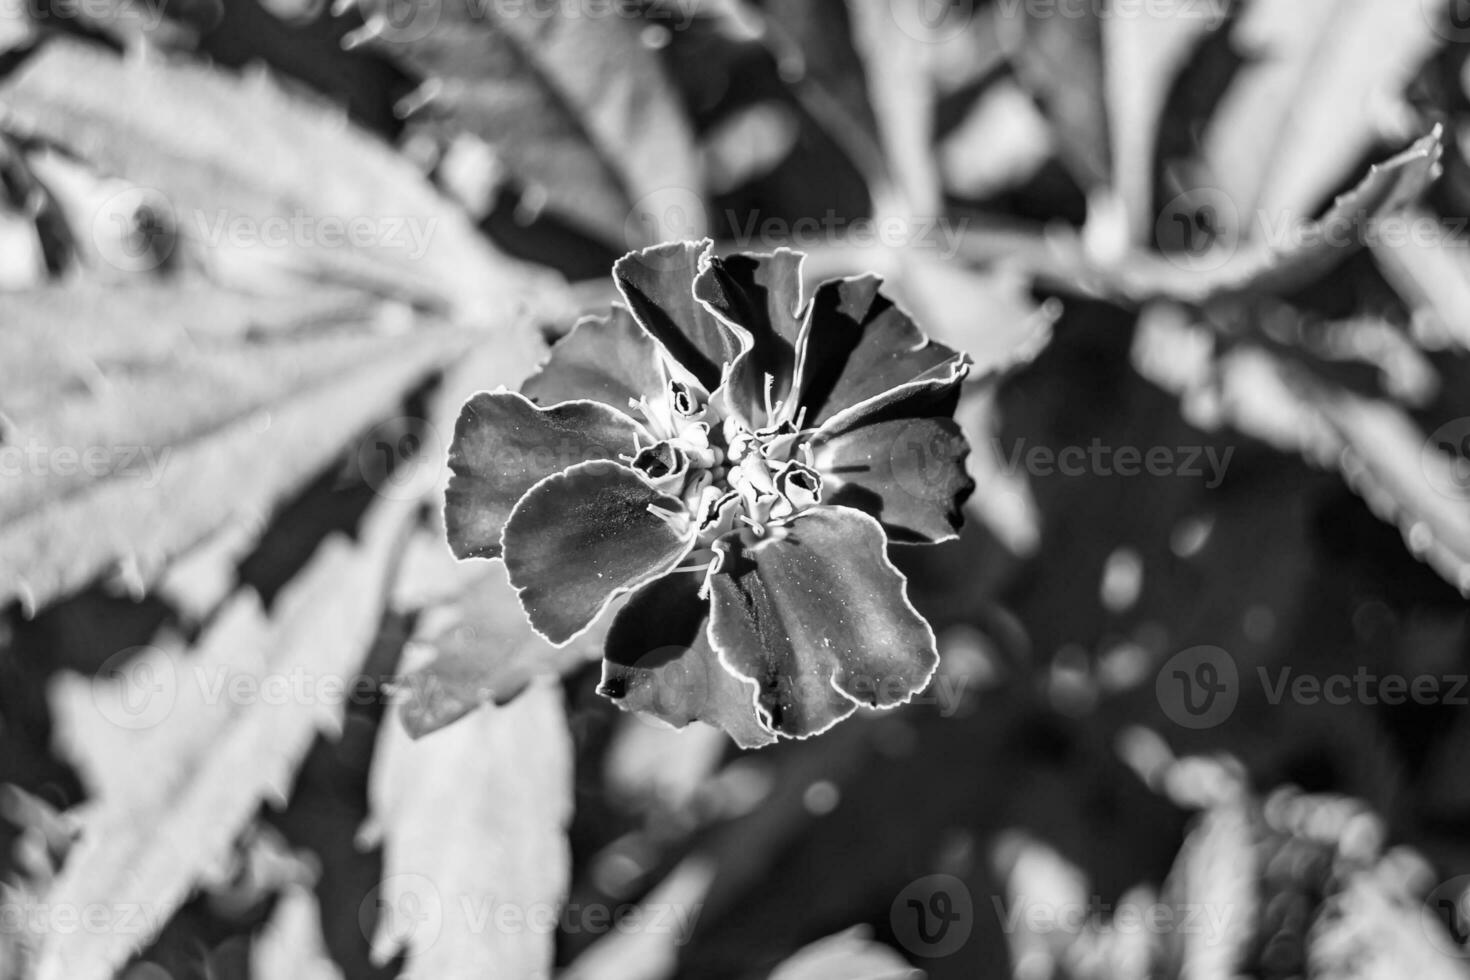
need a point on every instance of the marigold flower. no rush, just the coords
(737, 461)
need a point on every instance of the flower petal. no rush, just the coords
(606, 358)
(658, 661)
(760, 293)
(903, 463)
(658, 286)
(579, 539)
(858, 345)
(504, 445)
(819, 619)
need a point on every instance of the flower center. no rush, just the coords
(729, 476)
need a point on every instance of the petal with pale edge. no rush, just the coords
(858, 345)
(658, 661)
(579, 539)
(608, 358)
(903, 463)
(504, 445)
(819, 620)
(658, 285)
(762, 294)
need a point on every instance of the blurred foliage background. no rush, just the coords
(256, 253)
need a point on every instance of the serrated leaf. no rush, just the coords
(175, 777)
(576, 108)
(1308, 104)
(472, 822)
(483, 652)
(196, 138)
(182, 442)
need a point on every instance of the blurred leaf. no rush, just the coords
(1142, 58)
(1373, 931)
(849, 955)
(1058, 55)
(290, 947)
(1298, 253)
(1322, 78)
(472, 821)
(175, 773)
(1434, 278)
(901, 92)
(576, 107)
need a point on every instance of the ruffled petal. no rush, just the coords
(903, 463)
(504, 445)
(760, 293)
(659, 662)
(819, 620)
(607, 358)
(858, 345)
(579, 539)
(658, 286)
